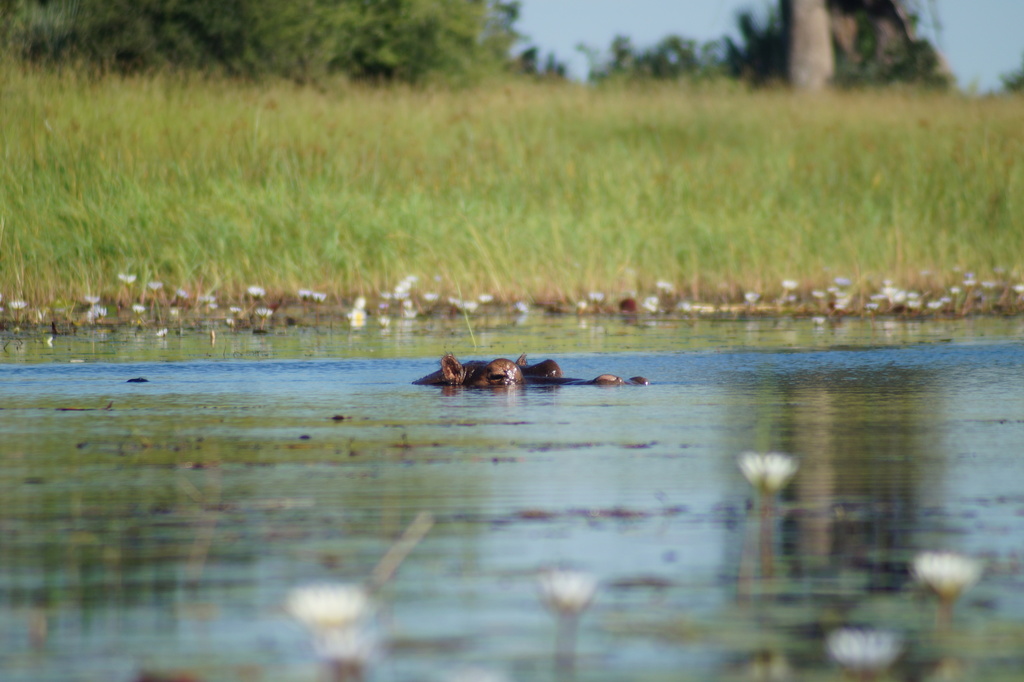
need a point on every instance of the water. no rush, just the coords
(159, 526)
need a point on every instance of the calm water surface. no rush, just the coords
(159, 526)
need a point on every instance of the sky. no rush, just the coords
(981, 39)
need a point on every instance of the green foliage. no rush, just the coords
(759, 57)
(529, 63)
(404, 40)
(673, 58)
(1014, 81)
(914, 62)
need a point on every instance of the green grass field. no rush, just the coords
(522, 191)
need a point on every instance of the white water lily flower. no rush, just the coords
(770, 472)
(17, 305)
(126, 278)
(790, 284)
(318, 296)
(155, 286)
(863, 650)
(328, 607)
(567, 592)
(946, 573)
(263, 313)
(138, 308)
(257, 291)
(751, 297)
(357, 317)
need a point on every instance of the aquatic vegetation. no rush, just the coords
(768, 473)
(263, 314)
(947, 575)
(336, 616)
(329, 607)
(865, 653)
(357, 313)
(567, 594)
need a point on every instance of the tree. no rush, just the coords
(811, 61)
(403, 40)
(858, 42)
(1014, 81)
(759, 57)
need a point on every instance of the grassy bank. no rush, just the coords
(524, 191)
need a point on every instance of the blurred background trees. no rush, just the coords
(808, 43)
(400, 40)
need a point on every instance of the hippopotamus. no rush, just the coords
(504, 372)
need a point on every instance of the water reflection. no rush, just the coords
(860, 434)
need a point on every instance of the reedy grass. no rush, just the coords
(521, 190)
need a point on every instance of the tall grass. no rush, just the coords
(525, 190)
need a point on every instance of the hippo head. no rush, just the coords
(500, 372)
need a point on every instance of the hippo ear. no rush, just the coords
(451, 370)
(521, 360)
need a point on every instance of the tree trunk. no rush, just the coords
(811, 62)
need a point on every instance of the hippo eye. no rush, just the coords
(496, 378)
